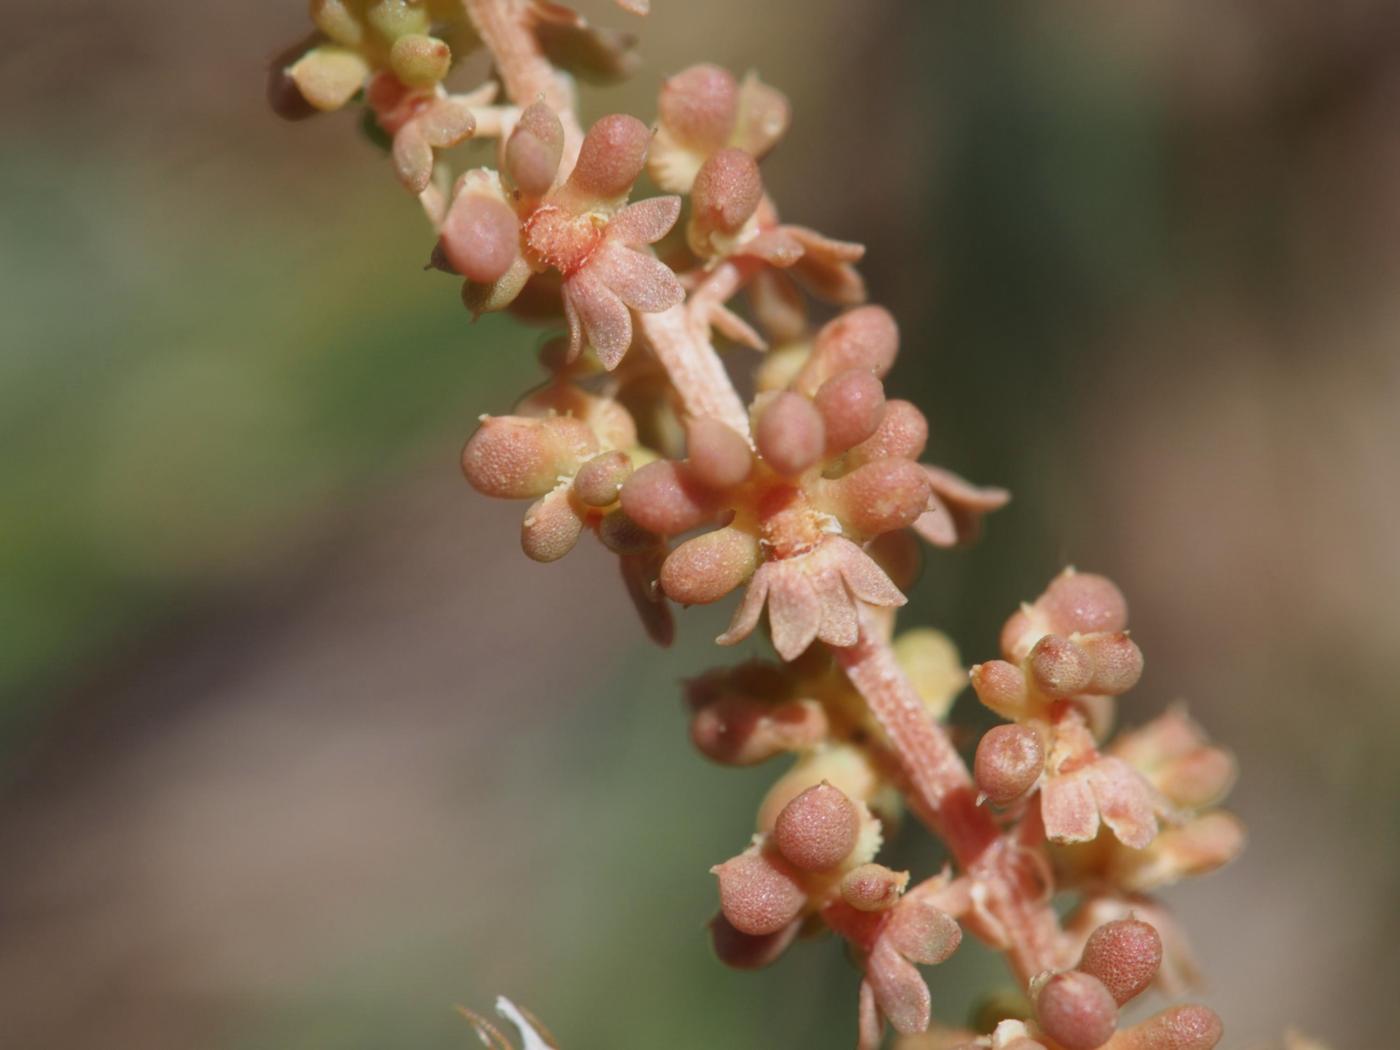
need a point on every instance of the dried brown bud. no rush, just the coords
(746, 951)
(743, 730)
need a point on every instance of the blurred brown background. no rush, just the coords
(297, 751)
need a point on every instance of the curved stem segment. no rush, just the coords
(504, 27)
(941, 793)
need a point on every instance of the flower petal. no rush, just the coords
(746, 616)
(603, 316)
(900, 991)
(840, 621)
(413, 158)
(645, 222)
(1068, 808)
(1124, 801)
(866, 579)
(640, 279)
(794, 611)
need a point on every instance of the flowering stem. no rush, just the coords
(526, 72)
(941, 793)
(694, 367)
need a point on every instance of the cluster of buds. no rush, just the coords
(812, 499)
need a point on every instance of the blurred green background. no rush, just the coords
(297, 751)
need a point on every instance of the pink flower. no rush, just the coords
(813, 596)
(1083, 788)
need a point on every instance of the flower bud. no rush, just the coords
(599, 480)
(743, 731)
(534, 149)
(610, 158)
(705, 568)
(698, 106)
(725, 194)
(1180, 1028)
(1076, 1011)
(901, 434)
(745, 951)
(880, 497)
(665, 497)
(865, 338)
(818, 829)
(420, 60)
(513, 457)
(873, 887)
(1116, 660)
(852, 405)
(1001, 687)
(328, 76)
(756, 896)
(790, 435)
(1124, 955)
(719, 456)
(1059, 667)
(1009, 760)
(551, 527)
(480, 237)
(621, 535)
(1083, 602)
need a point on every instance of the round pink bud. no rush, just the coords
(1001, 686)
(881, 496)
(599, 480)
(755, 896)
(1084, 602)
(514, 457)
(852, 405)
(705, 568)
(534, 149)
(699, 104)
(902, 434)
(873, 887)
(790, 435)
(1180, 1028)
(611, 157)
(665, 497)
(1009, 760)
(480, 237)
(1076, 1011)
(745, 951)
(551, 528)
(1060, 667)
(866, 338)
(727, 190)
(719, 455)
(1117, 663)
(1124, 955)
(818, 829)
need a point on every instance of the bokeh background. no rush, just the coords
(296, 751)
